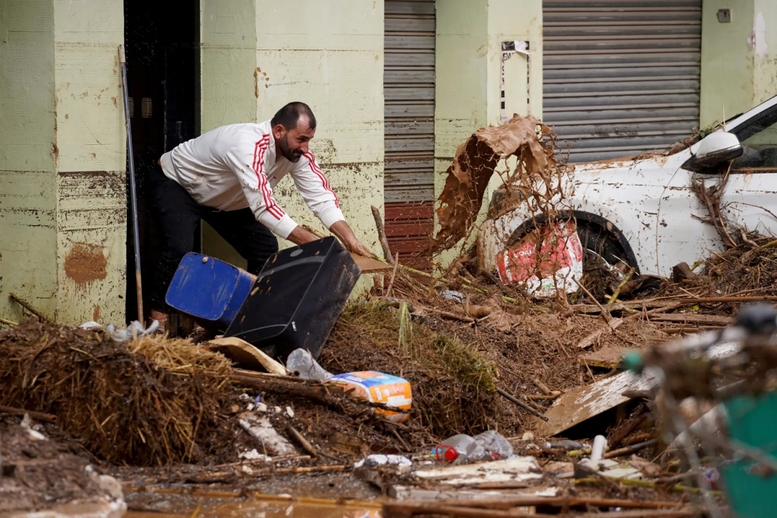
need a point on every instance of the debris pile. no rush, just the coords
(39, 472)
(154, 401)
(453, 383)
(537, 179)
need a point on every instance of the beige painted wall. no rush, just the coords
(27, 157)
(467, 69)
(739, 59)
(256, 57)
(62, 160)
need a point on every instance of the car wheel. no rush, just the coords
(599, 244)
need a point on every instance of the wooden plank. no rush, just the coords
(514, 469)
(695, 318)
(588, 401)
(369, 265)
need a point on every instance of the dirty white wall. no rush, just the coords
(258, 55)
(467, 69)
(739, 59)
(62, 160)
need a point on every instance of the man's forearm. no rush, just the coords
(346, 236)
(343, 231)
(300, 236)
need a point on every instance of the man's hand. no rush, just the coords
(358, 247)
(348, 239)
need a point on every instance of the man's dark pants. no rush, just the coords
(179, 216)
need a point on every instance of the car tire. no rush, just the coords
(602, 243)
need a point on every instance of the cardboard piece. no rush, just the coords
(370, 265)
(246, 355)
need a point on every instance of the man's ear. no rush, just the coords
(278, 131)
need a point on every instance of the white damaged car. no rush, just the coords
(643, 211)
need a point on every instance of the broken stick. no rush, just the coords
(521, 404)
(26, 305)
(40, 416)
(302, 441)
(382, 234)
(540, 385)
(629, 449)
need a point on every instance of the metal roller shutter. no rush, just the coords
(408, 87)
(621, 77)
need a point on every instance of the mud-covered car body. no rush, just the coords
(644, 209)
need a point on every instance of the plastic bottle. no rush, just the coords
(459, 448)
(301, 362)
(487, 445)
(495, 445)
(597, 450)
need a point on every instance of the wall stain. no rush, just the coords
(96, 313)
(86, 263)
(265, 79)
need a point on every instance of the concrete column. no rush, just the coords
(258, 55)
(28, 151)
(738, 58)
(468, 70)
(62, 160)
(91, 162)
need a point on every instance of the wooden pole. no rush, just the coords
(382, 234)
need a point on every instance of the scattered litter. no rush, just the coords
(514, 469)
(260, 429)
(301, 363)
(254, 455)
(28, 426)
(383, 460)
(134, 331)
(565, 444)
(377, 387)
(453, 295)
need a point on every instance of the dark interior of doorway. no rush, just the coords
(162, 46)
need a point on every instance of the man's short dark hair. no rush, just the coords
(290, 114)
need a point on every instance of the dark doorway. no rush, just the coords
(162, 46)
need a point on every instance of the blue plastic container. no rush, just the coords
(208, 289)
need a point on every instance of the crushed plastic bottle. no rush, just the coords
(460, 447)
(302, 363)
(489, 445)
(495, 444)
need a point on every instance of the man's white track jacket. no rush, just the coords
(234, 167)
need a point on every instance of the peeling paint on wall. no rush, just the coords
(86, 263)
(757, 37)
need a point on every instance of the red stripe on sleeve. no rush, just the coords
(317, 171)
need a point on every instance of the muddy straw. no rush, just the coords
(153, 401)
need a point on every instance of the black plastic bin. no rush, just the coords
(297, 299)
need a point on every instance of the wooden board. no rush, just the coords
(246, 355)
(370, 265)
(588, 401)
